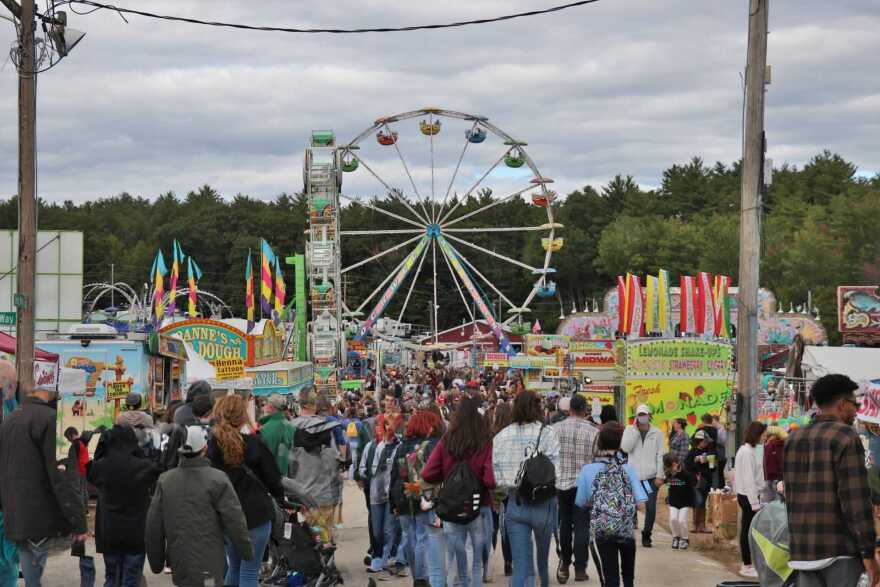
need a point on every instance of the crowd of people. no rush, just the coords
(451, 464)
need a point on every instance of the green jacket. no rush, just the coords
(193, 508)
(277, 433)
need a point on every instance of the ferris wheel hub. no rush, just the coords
(433, 230)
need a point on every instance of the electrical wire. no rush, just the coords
(122, 11)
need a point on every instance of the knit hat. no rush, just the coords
(202, 405)
(133, 400)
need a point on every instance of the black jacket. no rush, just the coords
(124, 478)
(41, 496)
(252, 485)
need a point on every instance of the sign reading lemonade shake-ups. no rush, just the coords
(678, 379)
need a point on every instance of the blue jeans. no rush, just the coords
(456, 542)
(522, 520)
(435, 555)
(382, 527)
(415, 544)
(650, 509)
(33, 555)
(124, 568)
(247, 573)
(488, 531)
(87, 571)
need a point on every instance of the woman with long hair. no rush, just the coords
(407, 493)
(235, 449)
(468, 440)
(678, 439)
(749, 475)
(526, 436)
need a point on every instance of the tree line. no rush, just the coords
(819, 231)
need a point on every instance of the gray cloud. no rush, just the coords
(614, 87)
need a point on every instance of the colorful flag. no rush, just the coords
(652, 305)
(267, 260)
(687, 319)
(621, 304)
(722, 306)
(637, 307)
(536, 327)
(705, 305)
(664, 307)
(279, 290)
(193, 275)
(158, 272)
(249, 294)
(175, 276)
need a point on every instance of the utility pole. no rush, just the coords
(27, 204)
(750, 216)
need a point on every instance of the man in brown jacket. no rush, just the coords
(830, 520)
(193, 508)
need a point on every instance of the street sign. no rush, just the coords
(7, 318)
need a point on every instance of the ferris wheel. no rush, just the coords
(429, 209)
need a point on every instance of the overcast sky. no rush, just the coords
(619, 86)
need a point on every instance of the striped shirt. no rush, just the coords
(517, 442)
(576, 439)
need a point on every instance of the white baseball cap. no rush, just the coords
(643, 409)
(196, 440)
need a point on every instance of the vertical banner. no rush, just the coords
(193, 275)
(664, 306)
(177, 259)
(687, 318)
(250, 310)
(158, 272)
(652, 307)
(722, 306)
(706, 306)
(637, 312)
(280, 291)
(621, 304)
(267, 259)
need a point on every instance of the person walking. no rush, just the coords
(42, 498)
(576, 439)
(774, 446)
(276, 431)
(700, 464)
(679, 443)
(831, 525)
(193, 510)
(613, 491)
(749, 475)
(525, 438)
(183, 416)
(124, 478)
(375, 469)
(643, 443)
(468, 440)
(406, 491)
(252, 470)
(681, 500)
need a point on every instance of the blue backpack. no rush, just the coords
(613, 506)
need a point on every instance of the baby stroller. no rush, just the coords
(296, 554)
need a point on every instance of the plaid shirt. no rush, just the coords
(679, 446)
(826, 492)
(576, 439)
(516, 442)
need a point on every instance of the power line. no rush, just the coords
(122, 11)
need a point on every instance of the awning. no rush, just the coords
(7, 345)
(857, 363)
(167, 346)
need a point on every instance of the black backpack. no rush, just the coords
(458, 500)
(536, 480)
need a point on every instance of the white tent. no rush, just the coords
(857, 363)
(197, 368)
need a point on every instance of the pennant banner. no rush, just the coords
(177, 259)
(158, 272)
(637, 307)
(687, 318)
(664, 307)
(193, 275)
(652, 307)
(250, 310)
(722, 306)
(280, 291)
(267, 260)
(621, 304)
(705, 306)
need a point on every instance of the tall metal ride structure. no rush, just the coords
(322, 176)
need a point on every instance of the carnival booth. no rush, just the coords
(45, 371)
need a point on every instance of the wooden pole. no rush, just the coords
(27, 205)
(750, 215)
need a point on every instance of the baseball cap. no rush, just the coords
(200, 387)
(565, 404)
(196, 440)
(643, 409)
(133, 400)
(277, 401)
(699, 435)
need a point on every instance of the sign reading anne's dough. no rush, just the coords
(211, 339)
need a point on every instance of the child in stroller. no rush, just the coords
(297, 555)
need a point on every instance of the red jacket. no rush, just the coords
(773, 450)
(440, 464)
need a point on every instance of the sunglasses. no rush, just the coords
(856, 403)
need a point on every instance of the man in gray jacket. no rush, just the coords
(643, 442)
(193, 508)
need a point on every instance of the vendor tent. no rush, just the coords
(197, 368)
(857, 363)
(7, 345)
